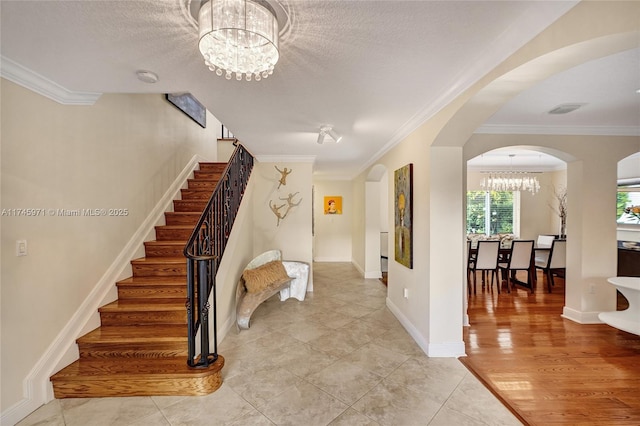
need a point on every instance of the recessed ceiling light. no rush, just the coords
(638, 91)
(147, 76)
(565, 108)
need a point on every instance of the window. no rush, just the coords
(628, 205)
(492, 212)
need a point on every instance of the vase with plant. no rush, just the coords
(560, 208)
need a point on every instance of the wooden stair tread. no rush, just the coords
(156, 260)
(90, 369)
(142, 306)
(154, 281)
(136, 334)
(165, 243)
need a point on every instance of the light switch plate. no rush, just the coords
(21, 248)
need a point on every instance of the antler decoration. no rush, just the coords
(289, 205)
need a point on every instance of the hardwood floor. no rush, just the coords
(550, 370)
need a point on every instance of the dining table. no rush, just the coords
(503, 256)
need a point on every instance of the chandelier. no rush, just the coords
(238, 37)
(510, 181)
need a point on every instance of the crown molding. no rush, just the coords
(501, 129)
(37, 83)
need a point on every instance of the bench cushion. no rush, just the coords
(269, 274)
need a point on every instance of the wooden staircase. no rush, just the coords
(140, 349)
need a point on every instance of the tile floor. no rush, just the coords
(338, 358)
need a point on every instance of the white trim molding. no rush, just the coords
(433, 350)
(37, 388)
(37, 83)
(503, 129)
(581, 317)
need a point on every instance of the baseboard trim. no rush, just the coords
(37, 389)
(433, 350)
(581, 317)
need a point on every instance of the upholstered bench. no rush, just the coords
(265, 276)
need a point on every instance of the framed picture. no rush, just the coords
(333, 204)
(403, 195)
(188, 104)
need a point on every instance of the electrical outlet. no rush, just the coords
(592, 289)
(21, 248)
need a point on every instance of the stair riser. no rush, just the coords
(160, 270)
(189, 206)
(182, 219)
(173, 234)
(143, 318)
(128, 386)
(158, 250)
(196, 194)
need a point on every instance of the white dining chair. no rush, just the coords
(555, 263)
(519, 260)
(545, 241)
(486, 260)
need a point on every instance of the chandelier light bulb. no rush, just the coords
(238, 36)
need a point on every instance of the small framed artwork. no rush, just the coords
(188, 104)
(333, 204)
(403, 195)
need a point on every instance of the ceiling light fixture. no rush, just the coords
(510, 181)
(328, 130)
(238, 37)
(147, 76)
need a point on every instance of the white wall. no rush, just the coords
(121, 153)
(333, 232)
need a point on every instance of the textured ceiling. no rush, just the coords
(374, 70)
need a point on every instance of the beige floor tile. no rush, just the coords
(474, 400)
(302, 360)
(378, 360)
(224, 405)
(391, 405)
(48, 414)
(306, 330)
(260, 386)
(352, 418)
(345, 380)
(435, 377)
(106, 411)
(303, 404)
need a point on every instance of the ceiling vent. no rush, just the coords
(565, 108)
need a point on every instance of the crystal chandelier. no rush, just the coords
(510, 181)
(238, 37)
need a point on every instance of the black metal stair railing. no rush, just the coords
(204, 252)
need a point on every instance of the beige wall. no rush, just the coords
(293, 235)
(333, 232)
(121, 153)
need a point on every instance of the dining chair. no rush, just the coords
(545, 241)
(520, 259)
(555, 263)
(486, 260)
